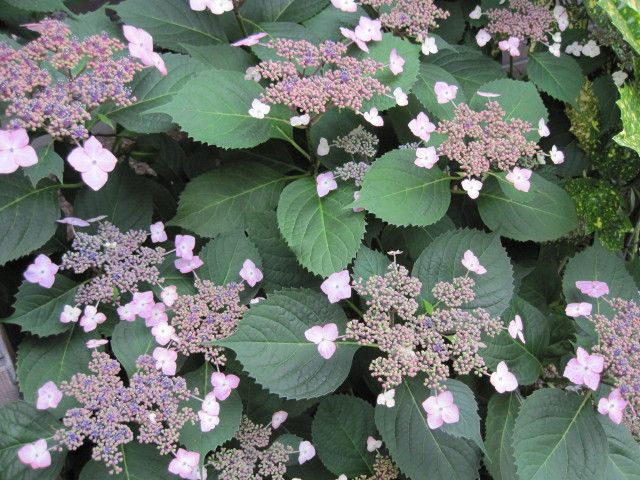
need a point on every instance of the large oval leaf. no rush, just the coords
(597, 263)
(468, 66)
(323, 234)
(441, 261)
(213, 107)
(21, 423)
(557, 436)
(422, 453)
(221, 200)
(340, 429)
(271, 345)
(130, 340)
(501, 417)
(380, 52)
(53, 359)
(561, 77)
(126, 200)
(545, 212)
(623, 462)
(281, 268)
(281, 10)
(398, 192)
(223, 258)
(37, 309)
(27, 215)
(423, 90)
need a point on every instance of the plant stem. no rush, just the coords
(236, 13)
(302, 151)
(68, 185)
(635, 241)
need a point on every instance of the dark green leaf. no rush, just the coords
(501, 418)
(129, 341)
(124, 200)
(323, 232)
(557, 436)
(397, 191)
(523, 360)
(468, 66)
(37, 309)
(141, 462)
(21, 423)
(172, 24)
(369, 263)
(545, 212)
(230, 415)
(623, 461)
(281, 10)
(422, 453)
(221, 200)
(281, 268)
(271, 345)
(340, 429)
(518, 99)
(213, 107)
(561, 77)
(27, 215)
(152, 90)
(49, 163)
(53, 359)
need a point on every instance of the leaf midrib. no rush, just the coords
(562, 438)
(417, 406)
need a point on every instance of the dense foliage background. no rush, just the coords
(321, 239)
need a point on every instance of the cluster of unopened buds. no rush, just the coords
(587, 369)
(91, 160)
(427, 156)
(440, 408)
(413, 18)
(320, 85)
(43, 272)
(522, 22)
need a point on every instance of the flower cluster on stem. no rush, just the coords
(254, 458)
(93, 74)
(309, 78)
(108, 409)
(414, 343)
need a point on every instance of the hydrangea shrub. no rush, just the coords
(320, 239)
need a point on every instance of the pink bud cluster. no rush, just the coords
(479, 141)
(121, 260)
(383, 469)
(619, 344)
(522, 19)
(93, 76)
(412, 18)
(413, 343)
(253, 458)
(108, 409)
(212, 313)
(310, 78)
